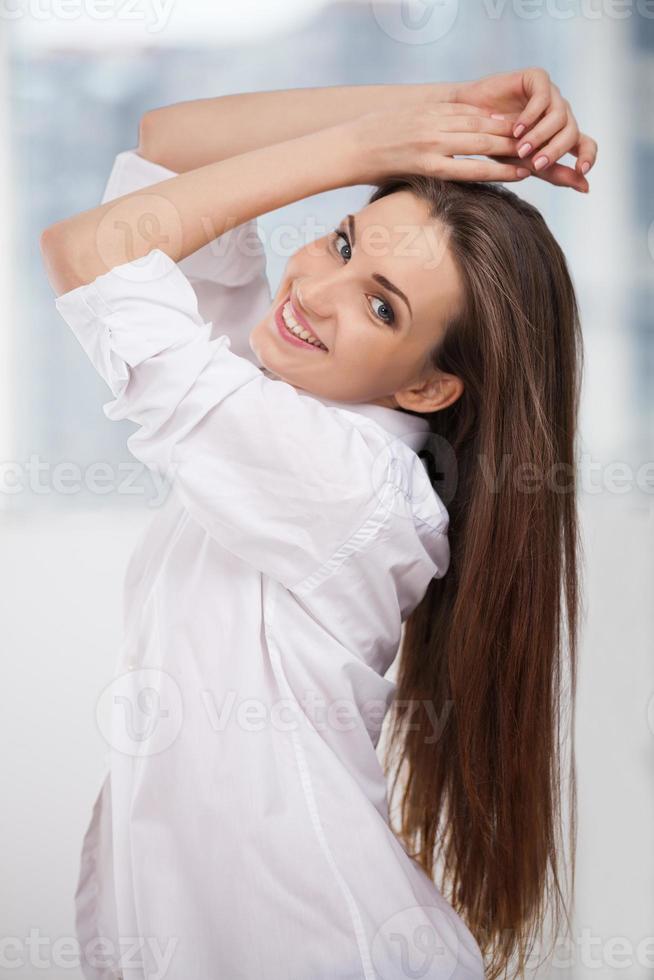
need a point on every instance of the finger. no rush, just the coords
(460, 109)
(561, 176)
(563, 143)
(538, 86)
(476, 124)
(557, 174)
(586, 153)
(480, 144)
(451, 168)
(556, 118)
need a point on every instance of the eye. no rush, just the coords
(339, 234)
(389, 316)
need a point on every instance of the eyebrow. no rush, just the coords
(382, 280)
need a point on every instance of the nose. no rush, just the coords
(312, 297)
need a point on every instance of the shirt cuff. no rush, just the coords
(120, 318)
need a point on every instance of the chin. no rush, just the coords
(258, 348)
(264, 363)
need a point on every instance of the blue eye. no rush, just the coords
(390, 317)
(339, 234)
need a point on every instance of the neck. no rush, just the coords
(387, 402)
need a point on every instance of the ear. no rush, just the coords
(431, 395)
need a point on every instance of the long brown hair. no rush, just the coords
(494, 637)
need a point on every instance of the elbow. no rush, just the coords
(49, 240)
(155, 144)
(56, 253)
(148, 129)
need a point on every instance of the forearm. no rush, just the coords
(187, 135)
(182, 214)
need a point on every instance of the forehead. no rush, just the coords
(396, 236)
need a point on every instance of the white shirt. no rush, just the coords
(241, 830)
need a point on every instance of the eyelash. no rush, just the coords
(336, 234)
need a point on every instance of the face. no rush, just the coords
(376, 296)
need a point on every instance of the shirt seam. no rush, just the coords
(441, 527)
(304, 773)
(351, 546)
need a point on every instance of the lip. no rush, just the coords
(286, 333)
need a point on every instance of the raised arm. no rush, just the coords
(182, 214)
(191, 134)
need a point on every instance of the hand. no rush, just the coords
(541, 117)
(423, 139)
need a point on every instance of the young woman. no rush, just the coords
(244, 831)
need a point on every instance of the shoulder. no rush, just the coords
(408, 526)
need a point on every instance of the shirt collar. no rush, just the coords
(411, 429)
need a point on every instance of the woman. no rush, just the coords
(247, 832)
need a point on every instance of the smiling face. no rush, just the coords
(377, 296)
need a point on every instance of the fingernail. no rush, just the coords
(518, 131)
(521, 172)
(585, 167)
(496, 115)
(540, 162)
(524, 150)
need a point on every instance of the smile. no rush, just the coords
(294, 332)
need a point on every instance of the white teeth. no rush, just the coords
(299, 331)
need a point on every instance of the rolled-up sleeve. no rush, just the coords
(277, 477)
(228, 274)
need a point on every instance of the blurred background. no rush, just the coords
(75, 78)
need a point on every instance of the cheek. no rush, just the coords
(366, 351)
